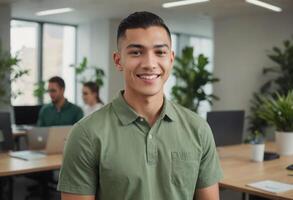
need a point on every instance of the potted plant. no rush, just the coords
(191, 78)
(40, 90)
(9, 71)
(257, 146)
(278, 111)
(280, 80)
(98, 72)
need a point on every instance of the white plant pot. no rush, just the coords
(284, 141)
(257, 152)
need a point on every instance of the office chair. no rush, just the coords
(6, 138)
(227, 126)
(45, 184)
(6, 144)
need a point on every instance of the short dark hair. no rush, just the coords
(140, 20)
(58, 80)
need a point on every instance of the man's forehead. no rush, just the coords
(53, 84)
(138, 36)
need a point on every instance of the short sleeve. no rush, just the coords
(79, 171)
(210, 171)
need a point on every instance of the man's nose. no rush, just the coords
(149, 61)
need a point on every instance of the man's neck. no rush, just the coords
(60, 104)
(148, 107)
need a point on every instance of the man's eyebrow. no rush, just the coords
(162, 46)
(139, 46)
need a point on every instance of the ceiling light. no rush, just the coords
(182, 3)
(54, 12)
(265, 5)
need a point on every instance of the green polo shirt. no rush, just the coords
(68, 115)
(114, 154)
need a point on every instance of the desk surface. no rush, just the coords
(239, 170)
(237, 167)
(13, 166)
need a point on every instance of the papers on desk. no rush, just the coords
(271, 186)
(27, 155)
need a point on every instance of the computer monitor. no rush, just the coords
(6, 139)
(227, 126)
(26, 115)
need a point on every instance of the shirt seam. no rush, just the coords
(86, 134)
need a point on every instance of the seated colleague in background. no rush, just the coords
(91, 97)
(60, 111)
(141, 146)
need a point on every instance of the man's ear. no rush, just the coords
(172, 57)
(117, 61)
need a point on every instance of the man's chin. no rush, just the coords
(150, 93)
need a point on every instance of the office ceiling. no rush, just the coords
(91, 9)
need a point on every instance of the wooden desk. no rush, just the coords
(239, 171)
(13, 166)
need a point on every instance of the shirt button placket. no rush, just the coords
(152, 153)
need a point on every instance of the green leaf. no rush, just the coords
(191, 78)
(278, 111)
(271, 69)
(287, 43)
(98, 73)
(82, 66)
(9, 66)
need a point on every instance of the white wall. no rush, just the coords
(116, 82)
(5, 37)
(93, 42)
(199, 26)
(241, 46)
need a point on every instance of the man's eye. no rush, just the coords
(161, 53)
(135, 53)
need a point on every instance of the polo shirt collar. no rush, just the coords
(127, 115)
(168, 110)
(65, 105)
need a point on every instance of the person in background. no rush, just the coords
(91, 98)
(60, 111)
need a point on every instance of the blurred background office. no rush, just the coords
(76, 43)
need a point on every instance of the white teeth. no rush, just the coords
(148, 77)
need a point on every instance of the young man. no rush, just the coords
(60, 111)
(141, 146)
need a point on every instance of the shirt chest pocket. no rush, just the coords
(184, 169)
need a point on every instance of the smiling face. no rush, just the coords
(146, 59)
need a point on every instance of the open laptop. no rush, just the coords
(43, 142)
(37, 138)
